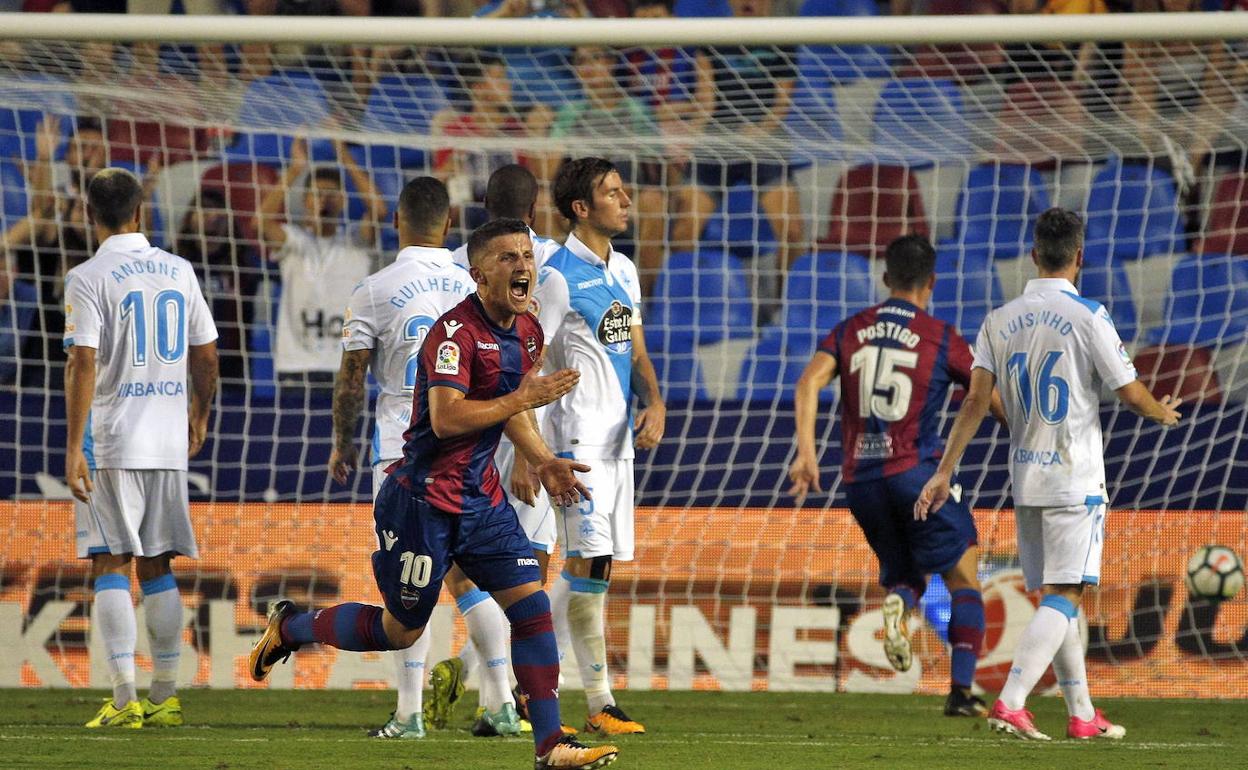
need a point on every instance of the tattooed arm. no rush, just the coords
(349, 398)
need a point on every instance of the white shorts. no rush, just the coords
(538, 521)
(379, 475)
(602, 526)
(1061, 546)
(140, 512)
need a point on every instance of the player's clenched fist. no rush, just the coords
(558, 475)
(539, 390)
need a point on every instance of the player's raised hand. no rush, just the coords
(539, 390)
(558, 475)
(1170, 410)
(649, 426)
(47, 137)
(525, 483)
(935, 493)
(299, 152)
(804, 473)
(78, 475)
(342, 462)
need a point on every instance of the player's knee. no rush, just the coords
(152, 567)
(399, 636)
(600, 568)
(1072, 592)
(104, 563)
(458, 583)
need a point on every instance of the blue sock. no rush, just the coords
(535, 660)
(966, 635)
(350, 626)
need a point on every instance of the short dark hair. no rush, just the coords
(327, 174)
(114, 194)
(575, 181)
(1059, 235)
(424, 204)
(668, 4)
(487, 232)
(910, 260)
(511, 192)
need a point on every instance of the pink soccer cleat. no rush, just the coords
(1017, 723)
(1096, 727)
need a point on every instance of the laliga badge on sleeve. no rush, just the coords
(448, 358)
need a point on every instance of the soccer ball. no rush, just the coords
(1214, 572)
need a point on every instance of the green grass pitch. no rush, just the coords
(229, 730)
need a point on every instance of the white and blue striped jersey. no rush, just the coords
(140, 308)
(589, 310)
(389, 313)
(1051, 351)
(542, 249)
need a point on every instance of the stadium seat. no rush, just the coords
(140, 141)
(1133, 211)
(13, 201)
(1185, 371)
(872, 206)
(919, 121)
(967, 287)
(541, 76)
(822, 66)
(960, 62)
(402, 104)
(1226, 231)
(823, 288)
(1208, 302)
(1105, 280)
(813, 115)
(675, 359)
(772, 366)
(283, 102)
(704, 295)
(740, 225)
(702, 9)
(17, 126)
(998, 207)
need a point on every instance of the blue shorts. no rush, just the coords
(417, 543)
(909, 550)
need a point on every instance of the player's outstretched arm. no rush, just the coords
(974, 407)
(557, 474)
(804, 472)
(267, 220)
(1139, 400)
(349, 398)
(79, 390)
(203, 365)
(375, 206)
(651, 422)
(524, 482)
(451, 414)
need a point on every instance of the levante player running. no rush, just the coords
(896, 363)
(477, 375)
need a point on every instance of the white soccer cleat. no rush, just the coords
(897, 633)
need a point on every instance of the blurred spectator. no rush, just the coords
(205, 238)
(490, 113)
(18, 302)
(754, 90)
(677, 83)
(321, 261)
(538, 74)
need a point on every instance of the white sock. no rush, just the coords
(117, 627)
(491, 636)
(468, 654)
(1035, 651)
(409, 670)
(560, 591)
(162, 606)
(587, 624)
(1072, 674)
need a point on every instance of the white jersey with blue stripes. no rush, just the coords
(140, 308)
(390, 312)
(1051, 351)
(542, 249)
(589, 310)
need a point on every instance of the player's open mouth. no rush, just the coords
(520, 288)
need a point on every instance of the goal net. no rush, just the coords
(769, 165)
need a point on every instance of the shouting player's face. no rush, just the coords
(609, 214)
(506, 276)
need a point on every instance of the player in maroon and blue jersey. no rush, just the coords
(896, 363)
(477, 375)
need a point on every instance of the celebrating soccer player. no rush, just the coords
(896, 363)
(388, 317)
(477, 375)
(1054, 350)
(511, 193)
(138, 313)
(589, 303)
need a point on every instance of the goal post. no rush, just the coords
(769, 163)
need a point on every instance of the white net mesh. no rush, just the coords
(766, 183)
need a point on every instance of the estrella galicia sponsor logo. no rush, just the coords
(615, 329)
